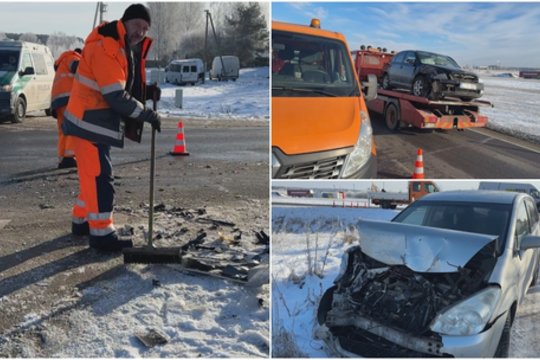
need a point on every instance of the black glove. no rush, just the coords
(152, 90)
(151, 117)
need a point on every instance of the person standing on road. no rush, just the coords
(65, 68)
(106, 104)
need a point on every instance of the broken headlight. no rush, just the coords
(470, 316)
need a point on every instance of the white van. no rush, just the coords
(26, 78)
(187, 71)
(512, 186)
(224, 68)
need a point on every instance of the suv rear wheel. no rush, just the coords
(420, 87)
(20, 110)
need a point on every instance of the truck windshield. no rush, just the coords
(308, 66)
(9, 60)
(489, 219)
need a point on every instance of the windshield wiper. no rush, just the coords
(304, 90)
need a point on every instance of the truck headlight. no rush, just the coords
(6, 88)
(469, 316)
(362, 150)
(275, 165)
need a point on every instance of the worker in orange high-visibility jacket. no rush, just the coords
(65, 67)
(107, 99)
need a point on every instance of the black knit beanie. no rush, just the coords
(136, 11)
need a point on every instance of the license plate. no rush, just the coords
(468, 86)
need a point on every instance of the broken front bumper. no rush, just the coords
(381, 340)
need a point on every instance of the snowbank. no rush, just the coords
(246, 98)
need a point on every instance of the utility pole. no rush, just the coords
(101, 8)
(209, 16)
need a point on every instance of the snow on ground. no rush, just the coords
(327, 232)
(516, 105)
(199, 316)
(247, 98)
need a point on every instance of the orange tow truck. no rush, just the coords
(390, 200)
(401, 109)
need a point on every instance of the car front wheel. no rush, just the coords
(504, 343)
(20, 110)
(420, 87)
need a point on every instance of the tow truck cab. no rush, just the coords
(320, 124)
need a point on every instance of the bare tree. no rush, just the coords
(3, 36)
(30, 37)
(59, 42)
(163, 18)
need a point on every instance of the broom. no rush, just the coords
(150, 254)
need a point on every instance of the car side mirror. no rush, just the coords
(529, 242)
(27, 71)
(370, 89)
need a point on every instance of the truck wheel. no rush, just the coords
(504, 343)
(391, 117)
(420, 87)
(20, 110)
(386, 82)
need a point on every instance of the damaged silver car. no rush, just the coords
(443, 279)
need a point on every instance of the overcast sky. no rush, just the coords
(487, 33)
(71, 18)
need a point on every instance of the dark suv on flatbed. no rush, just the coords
(431, 75)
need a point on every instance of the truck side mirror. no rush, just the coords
(370, 89)
(27, 71)
(529, 242)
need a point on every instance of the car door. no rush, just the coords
(42, 81)
(27, 82)
(524, 226)
(395, 68)
(408, 69)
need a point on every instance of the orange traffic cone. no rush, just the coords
(419, 165)
(180, 147)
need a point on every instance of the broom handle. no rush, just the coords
(152, 175)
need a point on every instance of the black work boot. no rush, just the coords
(80, 229)
(109, 243)
(67, 162)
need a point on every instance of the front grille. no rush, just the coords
(465, 77)
(366, 344)
(320, 169)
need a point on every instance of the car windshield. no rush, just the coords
(489, 219)
(427, 58)
(308, 66)
(9, 60)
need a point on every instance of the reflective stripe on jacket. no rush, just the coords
(101, 98)
(65, 67)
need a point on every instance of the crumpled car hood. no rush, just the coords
(420, 248)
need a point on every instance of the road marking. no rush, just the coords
(500, 138)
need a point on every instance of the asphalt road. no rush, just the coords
(29, 149)
(473, 153)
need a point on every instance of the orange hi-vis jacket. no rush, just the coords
(101, 99)
(65, 67)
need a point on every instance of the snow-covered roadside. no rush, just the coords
(247, 98)
(326, 232)
(515, 105)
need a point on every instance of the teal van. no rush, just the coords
(26, 78)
